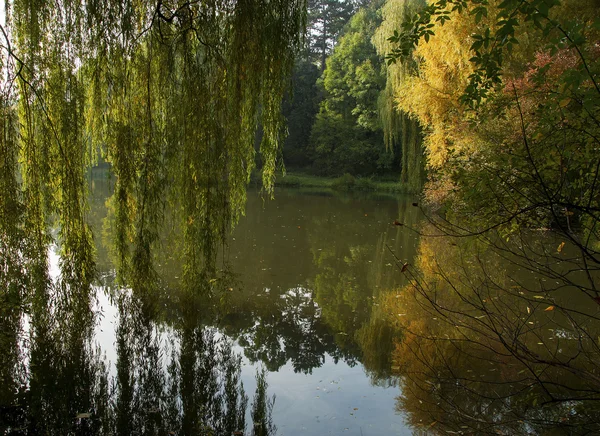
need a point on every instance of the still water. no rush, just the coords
(306, 272)
(321, 317)
(290, 341)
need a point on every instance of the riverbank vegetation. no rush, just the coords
(507, 95)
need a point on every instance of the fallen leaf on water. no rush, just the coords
(539, 297)
(560, 247)
(549, 308)
(528, 309)
(356, 408)
(404, 267)
(83, 415)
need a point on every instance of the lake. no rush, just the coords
(322, 316)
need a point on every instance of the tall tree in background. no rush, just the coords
(326, 19)
(300, 110)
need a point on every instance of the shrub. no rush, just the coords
(344, 183)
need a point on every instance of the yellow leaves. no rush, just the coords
(547, 309)
(560, 247)
(437, 148)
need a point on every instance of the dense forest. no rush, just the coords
(449, 97)
(341, 114)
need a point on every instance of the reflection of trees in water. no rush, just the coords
(287, 329)
(351, 277)
(194, 390)
(496, 343)
(277, 320)
(57, 382)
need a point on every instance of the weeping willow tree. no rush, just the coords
(399, 129)
(169, 92)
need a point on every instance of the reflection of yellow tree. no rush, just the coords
(484, 351)
(352, 274)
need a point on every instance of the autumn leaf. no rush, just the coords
(560, 247)
(549, 308)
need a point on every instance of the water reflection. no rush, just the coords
(473, 340)
(176, 370)
(312, 269)
(492, 345)
(167, 382)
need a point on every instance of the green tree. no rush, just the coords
(326, 19)
(170, 93)
(300, 110)
(347, 135)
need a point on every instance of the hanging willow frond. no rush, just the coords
(170, 93)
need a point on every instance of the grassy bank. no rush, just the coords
(345, 183)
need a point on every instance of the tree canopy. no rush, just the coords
(169, 93)
(347, 134)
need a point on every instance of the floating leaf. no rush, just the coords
(404, 267)
(528, 309)
(560, 247)
(549, 308)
